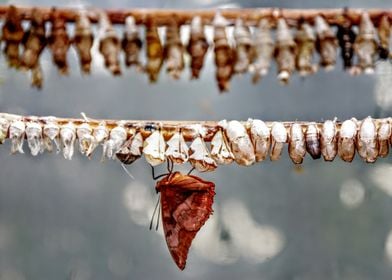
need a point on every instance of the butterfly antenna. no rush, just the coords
(190, 171)
(127, 171)
(153, 213)
(170, 165)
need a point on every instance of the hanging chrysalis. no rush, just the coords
(85, 137)
(197, 46)
(154, 148)
(34, 138)
(365, 45)
(109, 44)
(131, 43)
(346, 37)
(306, 44)
(177, 149)
(12, 35)
(34, 40)
(37, 76)
(223, 53)
(346, 142)
(100, 134)
(326, 43)
(51, 134)
(240, 143)
(263, 49)
(328, 140)
(174, 50)
(17, 134)
(154, 51)
(384, 34)
(244, 47)
(59, 41)
(279, 138)
(260, 135)
(199, 156)
(4, 125)
(297, 149)
(83, 41)
(220, 148)
(68, 136)
(383, 136)
(284, 51)
(111, 146)
(367, 144)
(312, 141)
(131, 150)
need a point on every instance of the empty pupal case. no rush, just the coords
(177, 149)
(154, 148)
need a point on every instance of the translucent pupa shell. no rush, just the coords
(4, 125)
(297, 148)
(240, 143)
(312, 137)
(177, 149)
(197, 46)
(224, 58)
(85, 137)
(263, 50)
(285, 49)
(154, 148)
(131, 43)
(34, 138)
(279, 138)
(326, 43)
(51, 134)
(384, 134)
(118, 135)
(131, 150)
(174, 50)
(83, 41)
(154, 51)
(12, 35)
(100, 134)
(367, 144)
(346, 37)
(199, 156)
(244, 47)
(328, 140)
(59, 42)
(17, 134)
(260, 135)
(109, 44)
(306, 44)
(384, 34)
(68, 137)
(346, 142)
(365, 45)
(220, 148)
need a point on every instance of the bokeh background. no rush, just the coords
(83, 219)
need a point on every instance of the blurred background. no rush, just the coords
(83, 219)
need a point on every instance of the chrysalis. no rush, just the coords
(86, 139)
(223, 53)
(100, 134)
(384, 134)
(68, 136)
(384, 34)
(37, 76)
(312, 141)
(131, 150)
(131, 43)
(199, 156)
(83, 41)
(4, 125)
(34, 138)
(240, 143)
(177, 149)
(154, 148)
(17, 135)
(118, 136)
(326, 43)
(346, 142)
(346, 37)
(306, 44)
(365, 45)
(279, 138)
(244, 47)
(12, 36)
(367, 144)
(264, 50)
(328, 140)
(109, 44)
(220, 148)
(260, 135)
(197, 46)
(51, 133)
(297, 149)
(154, 51)
(59, 42)
(174, 50)
(284, 51)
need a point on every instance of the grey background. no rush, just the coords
(83, 219)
